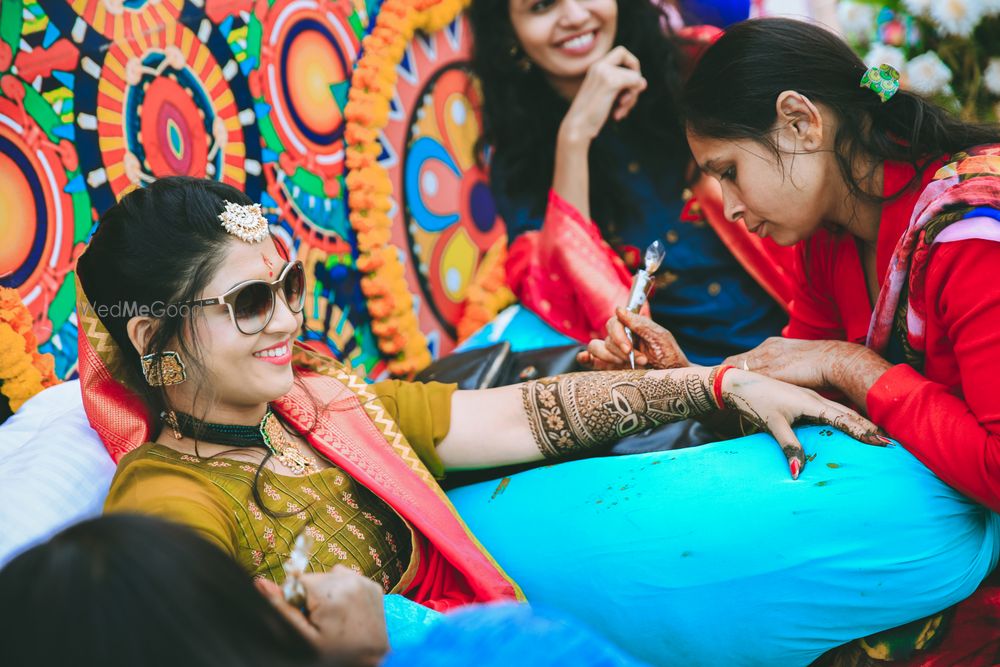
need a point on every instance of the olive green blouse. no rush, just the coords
(349, 524)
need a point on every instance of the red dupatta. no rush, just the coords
(345, 422)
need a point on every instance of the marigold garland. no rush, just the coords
(367, 112)
(488, 293)
(23, 371)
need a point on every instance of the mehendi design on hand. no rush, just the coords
(745, 411)
(570, 414)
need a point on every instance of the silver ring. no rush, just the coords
(746, 366)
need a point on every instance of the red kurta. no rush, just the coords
(949, 417)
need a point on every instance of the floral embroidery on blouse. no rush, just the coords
(269, 537)
(254, 510)
(313, 532)
(270, 492)
(309, 491)
(353, 530)
(337, 550)
(347, 498)
(219, 464)
(371, 517)
(295, 507)
(334, 513)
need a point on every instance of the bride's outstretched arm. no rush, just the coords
(571, 414)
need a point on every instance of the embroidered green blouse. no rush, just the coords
(350, 525)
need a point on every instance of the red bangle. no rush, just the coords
(717, 385)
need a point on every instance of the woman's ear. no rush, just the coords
(140, 330)
(799, 122)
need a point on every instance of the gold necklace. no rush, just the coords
(284, 450)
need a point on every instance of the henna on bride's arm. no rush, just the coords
(570, 414)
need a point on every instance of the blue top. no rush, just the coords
(720, 13)
(703, 295)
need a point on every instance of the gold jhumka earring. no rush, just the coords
(163, 369)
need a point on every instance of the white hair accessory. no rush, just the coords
(245, 221)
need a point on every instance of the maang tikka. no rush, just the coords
(245, 221)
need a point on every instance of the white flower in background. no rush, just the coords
(927, 74)
(917, 7)
(957, 17)
(882, 54)
(991, 76)
(857, 20)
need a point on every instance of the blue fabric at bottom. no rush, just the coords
(714, 556)
(504, 635)
(407, 622)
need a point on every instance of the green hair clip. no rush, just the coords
(883, 80)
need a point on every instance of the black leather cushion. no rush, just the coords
(498, 366)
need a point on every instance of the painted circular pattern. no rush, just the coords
(170, 116)
(312, 66)
(38, 219)
(172, 103)
(18, 200)
(307, 51)
(450, 217)
(126, 19)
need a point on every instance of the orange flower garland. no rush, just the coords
(488, 293)
(23, 371)
(367, 112)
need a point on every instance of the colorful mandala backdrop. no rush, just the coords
(99, 95)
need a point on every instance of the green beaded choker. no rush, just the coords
(234, 435)
(268, 434)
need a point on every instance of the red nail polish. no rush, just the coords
(795, 467)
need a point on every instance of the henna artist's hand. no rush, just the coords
(774, 406)
(346, 617)
(806, 363)
(655, 346)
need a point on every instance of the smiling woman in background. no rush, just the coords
(589, 165)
